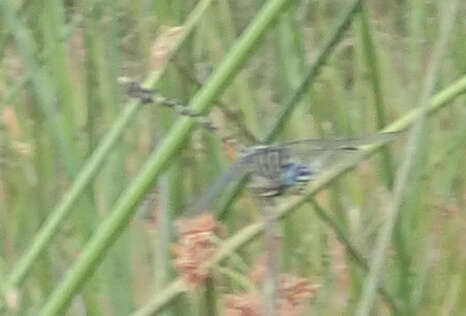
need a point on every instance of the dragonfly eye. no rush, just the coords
(296, 174)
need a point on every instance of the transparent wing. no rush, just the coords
(321, 154)
(236, 171)
(324, 159)
(339, 143)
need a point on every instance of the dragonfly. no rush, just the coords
(287, 167)
(274, 169)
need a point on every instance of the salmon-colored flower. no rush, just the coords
(164, 45)
(259, 270)
(244, 305)
(293, 292)
(195, 248)
(297, 290)
(10, 120)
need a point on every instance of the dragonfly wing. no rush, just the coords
(340, 143)
(321, 160)
(322, 154)
(236, 171)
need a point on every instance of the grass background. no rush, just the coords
(77, 157)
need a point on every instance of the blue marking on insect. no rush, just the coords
(296, 173)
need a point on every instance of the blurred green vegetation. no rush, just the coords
(78, 157)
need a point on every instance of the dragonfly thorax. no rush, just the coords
(275, 171)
